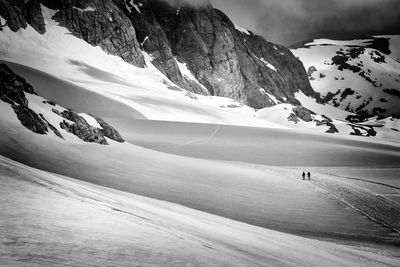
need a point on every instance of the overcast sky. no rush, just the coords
(291, 21)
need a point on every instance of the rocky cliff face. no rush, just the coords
(197, 48)
(227, 61)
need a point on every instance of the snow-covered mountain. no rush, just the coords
(359, 76)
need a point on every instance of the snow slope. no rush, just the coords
(60, 221)
(355, 75)
(242, 192)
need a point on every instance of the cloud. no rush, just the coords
(291, 21)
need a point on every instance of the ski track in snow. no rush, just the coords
(374, 206)
(201, 139)
(87, 225)
(367, 181)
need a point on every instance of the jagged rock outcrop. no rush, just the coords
(81, 128)
(109, 131)
(78, 126)
(224, 61)
(11, 11)
(12, 88)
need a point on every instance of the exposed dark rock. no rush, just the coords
(10, 10)
(81, 128)
(34, 16)
(393, 92)
(378, 111)
(52, 103)
(381, 44)
(56, 111)
(355, 118)
(311, 70)
(346, 93)
(292, 117)
(12, 91)
(360, 130)
(99, 22)
(303, 113)
(30, 119)
(109, 131)
(152, 38)
(332, 127)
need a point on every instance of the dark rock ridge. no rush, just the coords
(12, 91)
(226, 61)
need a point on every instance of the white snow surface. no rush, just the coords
(54, 217)
(269, 65)
(90, 120)
(242, 30)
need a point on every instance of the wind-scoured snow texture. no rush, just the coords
(225, 60)
(52, 217)
(359, 76)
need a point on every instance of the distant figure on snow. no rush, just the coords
(308, 175)
(304, 175)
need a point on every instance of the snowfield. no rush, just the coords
(46, 219)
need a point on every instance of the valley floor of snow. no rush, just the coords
(48, 219)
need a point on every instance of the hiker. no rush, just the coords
(308, 175)
(304, 175)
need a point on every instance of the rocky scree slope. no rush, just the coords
(198, 48)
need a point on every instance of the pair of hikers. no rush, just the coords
(308, 175)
